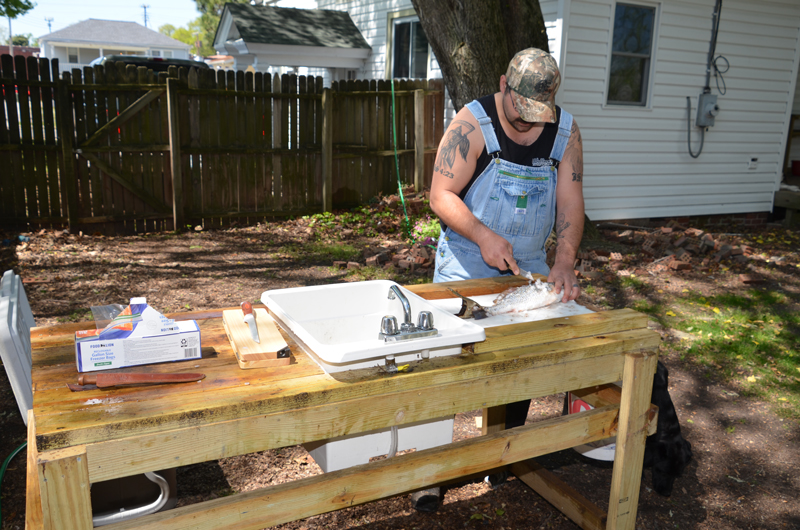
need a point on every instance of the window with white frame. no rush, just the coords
(631, 54)
(72, 55)
(155, 53)
(410, 52)
(168, 54)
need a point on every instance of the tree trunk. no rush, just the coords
(473, 41)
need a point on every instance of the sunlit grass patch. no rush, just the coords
(751, 340)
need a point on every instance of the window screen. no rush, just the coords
(631, 50)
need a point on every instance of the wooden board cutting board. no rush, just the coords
(251, 354)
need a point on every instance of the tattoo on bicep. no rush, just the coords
(456, 140)
(561, 225)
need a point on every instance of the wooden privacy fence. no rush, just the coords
(121, 150)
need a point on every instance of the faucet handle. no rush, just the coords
(425, 320)
(389, 325)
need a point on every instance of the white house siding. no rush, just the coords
(794, 152)
(553, 24)
(637, 163)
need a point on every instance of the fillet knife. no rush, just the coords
(250, 320)
(93, 381)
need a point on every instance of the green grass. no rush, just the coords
(751, 341)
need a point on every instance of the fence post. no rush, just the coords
(419, 140)
(65, 134)
(327, 150)
(175, 153)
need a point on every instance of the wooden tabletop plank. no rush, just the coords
(61, 424)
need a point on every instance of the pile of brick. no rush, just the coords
(672, 247)
(416, 259)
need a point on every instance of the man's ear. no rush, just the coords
(503, 83)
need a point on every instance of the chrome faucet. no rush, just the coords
(407, 330)
(395, 292)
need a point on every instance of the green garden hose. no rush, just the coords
(397, 167)
(3, 473)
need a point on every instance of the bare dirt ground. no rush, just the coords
(742, 478)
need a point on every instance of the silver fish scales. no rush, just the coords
(526, 298)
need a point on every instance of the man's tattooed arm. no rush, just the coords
(561, 225)
(456, 140)
(575, 153)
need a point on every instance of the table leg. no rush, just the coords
(494, 419)
(64, 485)
(33, 500)
(637, 387)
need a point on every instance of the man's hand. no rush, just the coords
(563, 276)
(496, 251)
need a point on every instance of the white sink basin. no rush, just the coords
(338, 324)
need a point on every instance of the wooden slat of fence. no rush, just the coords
(194, 193)
(382, 164)
(267, 123)
(229, 162)
(317, 182)
(257, 140)
(240, 130)
(28, 159)
(82, 168)
(290, 166)
(302, 130)
(93, 108)
(278, 130)
(144, 119)
(52, 157)
(102, 190)
(205, 80)
(12, 187)
(39, 168)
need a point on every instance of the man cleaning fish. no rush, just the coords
(509, 166)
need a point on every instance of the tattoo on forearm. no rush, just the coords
(456, 140)
(575, 153)
(561, 225)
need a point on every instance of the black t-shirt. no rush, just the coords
(536, 154)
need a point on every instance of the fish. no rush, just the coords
(526, 298)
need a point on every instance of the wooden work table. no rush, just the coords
(79, 438)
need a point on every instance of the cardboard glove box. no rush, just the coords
(139, 335)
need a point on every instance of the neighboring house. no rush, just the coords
(25, 51)
(265, 37)
(79, 44)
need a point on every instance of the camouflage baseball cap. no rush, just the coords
(534, 79)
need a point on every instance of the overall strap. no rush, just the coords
(489, 136)
(562, 138)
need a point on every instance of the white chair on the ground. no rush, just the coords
(16, 321)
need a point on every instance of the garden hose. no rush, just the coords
(397, 167)
(3, 473)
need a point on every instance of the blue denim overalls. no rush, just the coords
(514, 201)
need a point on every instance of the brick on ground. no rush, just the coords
(352, 265)
(749, 279)
(615, 256)
(340, 264)
(678, 265)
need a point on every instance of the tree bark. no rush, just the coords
(473, 40)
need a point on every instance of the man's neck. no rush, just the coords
(516, 136)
